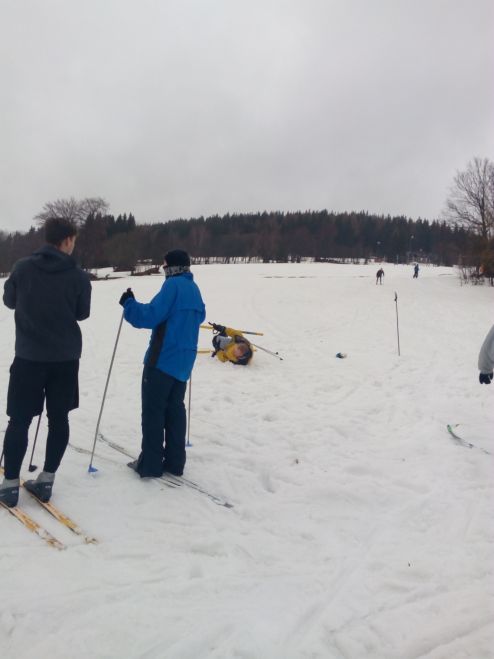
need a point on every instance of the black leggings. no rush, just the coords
(16, 441)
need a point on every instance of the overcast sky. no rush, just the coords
(181, 108)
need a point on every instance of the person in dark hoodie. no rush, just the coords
(49, 294)
(174, 316)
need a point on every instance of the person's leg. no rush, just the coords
(155, 390)
(56, 442)
(175, 429)
(62, 395)
(15, 445)
(24, 401)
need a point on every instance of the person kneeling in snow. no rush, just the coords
(231, 346)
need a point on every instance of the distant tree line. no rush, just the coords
(464, 237)
(321, 235)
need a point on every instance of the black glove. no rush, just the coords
(485, 378)
(218, 328)
(128, 295)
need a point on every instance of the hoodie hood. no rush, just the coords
(51, 259)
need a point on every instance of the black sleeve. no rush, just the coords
(10, 292)
(84, 300)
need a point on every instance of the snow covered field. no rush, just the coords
(360, 529)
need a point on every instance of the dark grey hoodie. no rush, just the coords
(49, 293)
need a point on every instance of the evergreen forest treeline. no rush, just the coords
(269, 236)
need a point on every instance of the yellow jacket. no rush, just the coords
(227, 353)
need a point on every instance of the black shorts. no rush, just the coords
(32, 382)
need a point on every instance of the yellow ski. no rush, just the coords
(33, 526)
(60, 516)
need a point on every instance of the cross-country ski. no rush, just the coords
(169, 479)
(61, 517)
(33, 526)
(453, 431)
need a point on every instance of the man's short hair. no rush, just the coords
(57, 229)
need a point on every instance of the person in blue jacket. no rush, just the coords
(174, 316)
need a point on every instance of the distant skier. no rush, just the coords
(49, 294)
(174, 314)
(486, 358)
(231, 346)
(416, 271)
(379, 276)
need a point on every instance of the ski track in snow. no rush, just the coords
(360, 529)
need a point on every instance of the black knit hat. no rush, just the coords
(177, 257)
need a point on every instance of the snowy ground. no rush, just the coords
(360, 529)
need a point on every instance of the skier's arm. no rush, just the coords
(10, 292)
(486, 355)
(83, 308)
(150, 315)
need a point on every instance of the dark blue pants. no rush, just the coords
(163, 424)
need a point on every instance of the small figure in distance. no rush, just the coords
(379, 276)
(416, 271)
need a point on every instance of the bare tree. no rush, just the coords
(76, 210)
(471, 200)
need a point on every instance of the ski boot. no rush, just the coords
(42, 486)
(9, 492)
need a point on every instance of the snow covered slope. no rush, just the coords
(360, 528)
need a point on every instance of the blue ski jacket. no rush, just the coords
(174, 315)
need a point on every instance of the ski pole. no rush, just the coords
(92, 469)
(3, 447)
(208, 352)
(397, 324)
(243, 331)
(31, 466)
(188, 412)
(270, 352)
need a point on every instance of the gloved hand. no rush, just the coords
(485, 378)
(128, 295)
(218, 328)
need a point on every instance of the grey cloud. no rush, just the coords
(179, 108)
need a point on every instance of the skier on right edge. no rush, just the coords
(486, 358)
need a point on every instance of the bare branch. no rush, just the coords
(72, 209)
(471, 200)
